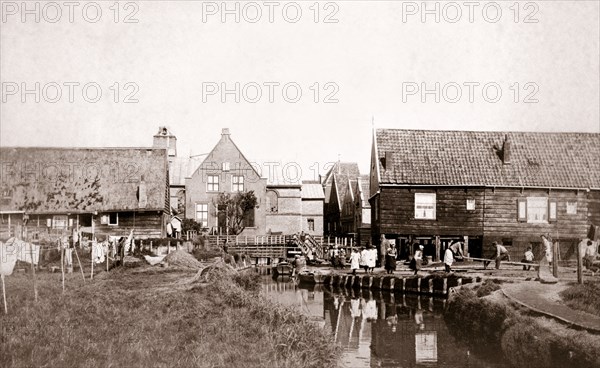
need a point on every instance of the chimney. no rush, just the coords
(225, 133)
(506, 152)
(165, 139)
(389, 160)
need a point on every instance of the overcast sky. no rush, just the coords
(371, 60)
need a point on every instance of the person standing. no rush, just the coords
(448, 259)
(364, 255)
(384, 245)
(547, 249)
(417, 259)
(371, 259)
(354, 260)
(390, 259)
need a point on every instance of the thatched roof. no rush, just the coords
(83, 180)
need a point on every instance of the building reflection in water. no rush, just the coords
(380, 328)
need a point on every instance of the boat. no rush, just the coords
(283, 269)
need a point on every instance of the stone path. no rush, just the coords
(544, 298)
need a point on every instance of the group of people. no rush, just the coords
(367, 259)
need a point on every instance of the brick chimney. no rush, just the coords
(506, 150)
(225, 133)
(165, 139)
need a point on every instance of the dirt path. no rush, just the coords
(545, 299)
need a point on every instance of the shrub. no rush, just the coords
(488, 287)
(584, 297)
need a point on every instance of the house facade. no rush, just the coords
(434, 187)
(52, 192)
(225, 170)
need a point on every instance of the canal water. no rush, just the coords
(383, 329)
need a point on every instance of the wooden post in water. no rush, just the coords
(579, 265)
(438, 246)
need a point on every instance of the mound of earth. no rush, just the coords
(182, 258)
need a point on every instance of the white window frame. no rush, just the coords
(470, 204)
(60, 222)
(310, 222)
(212, 182)
(202, 208)
(425, 206)
(237, 183)
(225, 166)
(537, 210)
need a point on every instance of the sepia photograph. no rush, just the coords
(302, 184)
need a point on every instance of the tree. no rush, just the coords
(235, 209)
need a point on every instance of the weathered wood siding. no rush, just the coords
(594, 207)
(397, 212)
(502, 223)
(144, 225)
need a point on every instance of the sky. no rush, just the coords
(311, 79)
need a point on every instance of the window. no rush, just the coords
(202, 214)
(225, 166)
(537, 210)
(425, 206)
(571, 208)
(249, 218)
(59, 222)
(113, 219)
(271, 201)
(470, 204)
(213, 183)
(311, 224)
(237, 183)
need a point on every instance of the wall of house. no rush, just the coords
(397, 212)
(312, 209)
(196, 186)
(288, 217)
(501, 221)
(594, 207)
(144, 224)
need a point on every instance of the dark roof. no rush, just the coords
(343, 170)
(77, 180)
(364, 183)
(557, 160)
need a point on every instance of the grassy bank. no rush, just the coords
(527, 341)
(584, 297)
(154, 317)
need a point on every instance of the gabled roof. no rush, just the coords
(312, 191)
(362, 190)
(342, 169)
(549, 160)
(83, 180)
(181, 168)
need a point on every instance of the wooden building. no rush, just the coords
(109, 191)
(335, 186)
(433, 187)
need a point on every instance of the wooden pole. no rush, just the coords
(80, 266)
(35, 290)
(555, 259)
(4, 296)
(62, 265)
(579, 266)
(92, 256)
(106, 255)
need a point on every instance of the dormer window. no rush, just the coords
(225, 166)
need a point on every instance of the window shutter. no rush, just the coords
(522, 209)
(552, 210)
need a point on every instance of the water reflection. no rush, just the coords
(380, 328)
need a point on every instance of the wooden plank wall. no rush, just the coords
(452, 217)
